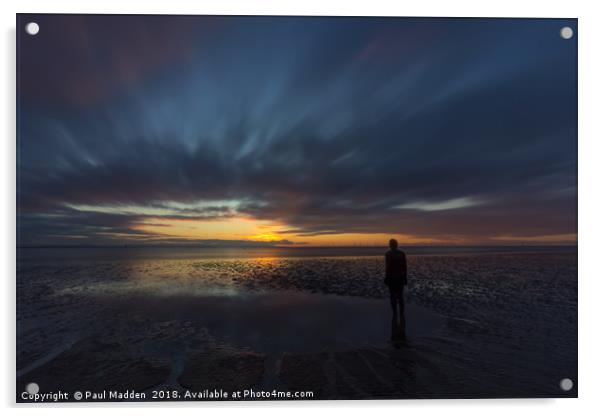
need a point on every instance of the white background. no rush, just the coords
(590, 176)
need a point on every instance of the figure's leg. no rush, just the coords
(394, 323)
(402, 316)
(393, 299)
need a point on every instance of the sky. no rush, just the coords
(254, 131)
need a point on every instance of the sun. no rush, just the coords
(267, 237)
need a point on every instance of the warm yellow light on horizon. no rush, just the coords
(234, 228)
(249, 229)
(267, 237)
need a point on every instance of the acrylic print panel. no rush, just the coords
(295, 208)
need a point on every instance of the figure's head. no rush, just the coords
(393, 243)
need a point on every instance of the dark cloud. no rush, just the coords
(83, 59)
(328, 125)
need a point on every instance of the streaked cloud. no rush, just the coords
(296, 130)
(455, 203)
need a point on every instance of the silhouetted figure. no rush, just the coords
(396, 271)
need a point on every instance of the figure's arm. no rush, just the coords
(404, 269)
(387, 268)
(387, 265)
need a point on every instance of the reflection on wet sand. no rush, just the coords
(222, 341)
(268, 323)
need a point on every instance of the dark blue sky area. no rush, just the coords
(443, 130)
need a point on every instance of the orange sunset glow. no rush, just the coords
(246, 228)
(341, 140)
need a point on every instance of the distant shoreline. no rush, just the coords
(275, 251)
(306, 247)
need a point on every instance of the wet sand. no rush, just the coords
(478, 326)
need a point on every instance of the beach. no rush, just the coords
(482, 322)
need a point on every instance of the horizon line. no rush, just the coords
(293, 246)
